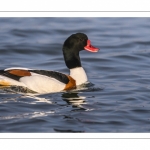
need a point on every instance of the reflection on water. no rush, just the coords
(74, 99)
(39, 99)
(71, 97)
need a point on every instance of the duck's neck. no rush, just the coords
(73, 62)
(71, 58)
(79, 75)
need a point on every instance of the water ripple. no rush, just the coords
(116, 99)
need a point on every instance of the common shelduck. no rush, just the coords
(45, 81)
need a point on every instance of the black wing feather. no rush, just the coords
(53, 74)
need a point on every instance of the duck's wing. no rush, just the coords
(41, 81)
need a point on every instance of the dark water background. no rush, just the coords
(119, 100)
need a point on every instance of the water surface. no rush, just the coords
(118, 100)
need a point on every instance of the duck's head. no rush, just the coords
(78, 42)
(73, 45)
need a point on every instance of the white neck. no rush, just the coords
(79, 75)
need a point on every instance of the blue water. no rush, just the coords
(118, 98)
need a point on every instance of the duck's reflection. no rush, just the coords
(71, 97)
(74, 99)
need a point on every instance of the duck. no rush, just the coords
(48, 81)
